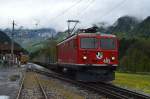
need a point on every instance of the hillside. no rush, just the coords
(30, 37)
(123, 24)
(143, 28)
(61, 36)
(4, 38)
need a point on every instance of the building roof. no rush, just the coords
(8, 47)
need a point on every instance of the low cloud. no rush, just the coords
(54, 13)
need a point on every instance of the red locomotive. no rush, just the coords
(89, 56)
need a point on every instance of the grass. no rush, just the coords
(138, 82)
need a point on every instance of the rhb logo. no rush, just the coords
(99, 55)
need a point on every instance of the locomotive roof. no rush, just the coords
(96, 34)
(86, 34)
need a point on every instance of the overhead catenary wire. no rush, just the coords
(106, 13)
(66, 10)
(113, 8)
(86, 8)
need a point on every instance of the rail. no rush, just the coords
(108, 90)
(40, 86)
(126, 92)
(42, 89)
(20, 89)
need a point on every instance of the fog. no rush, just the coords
(54, 13)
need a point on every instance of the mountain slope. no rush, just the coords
(123, 24)
(29, 37)
(143, 29)
(4, 38)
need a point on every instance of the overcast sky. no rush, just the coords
(54, 13)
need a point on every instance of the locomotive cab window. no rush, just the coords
(107, 43)
(88, 43)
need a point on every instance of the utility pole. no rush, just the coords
(52, 36)
(12, 42)
(71, 21)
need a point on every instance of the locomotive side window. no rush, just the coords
(88, 43)
(107, 43)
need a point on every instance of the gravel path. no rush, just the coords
(9, 81)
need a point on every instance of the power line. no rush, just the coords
(106, 13)
(90, 4)
(67, 9)
(113, 8)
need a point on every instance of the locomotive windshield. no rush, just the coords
(107, 43)
(88, 43)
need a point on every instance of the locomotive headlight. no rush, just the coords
(113, 58)
(84, 57)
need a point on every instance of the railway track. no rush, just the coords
(120, 91)
(130, 94)
(106, 93)
(106, 90)
(31, 88)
